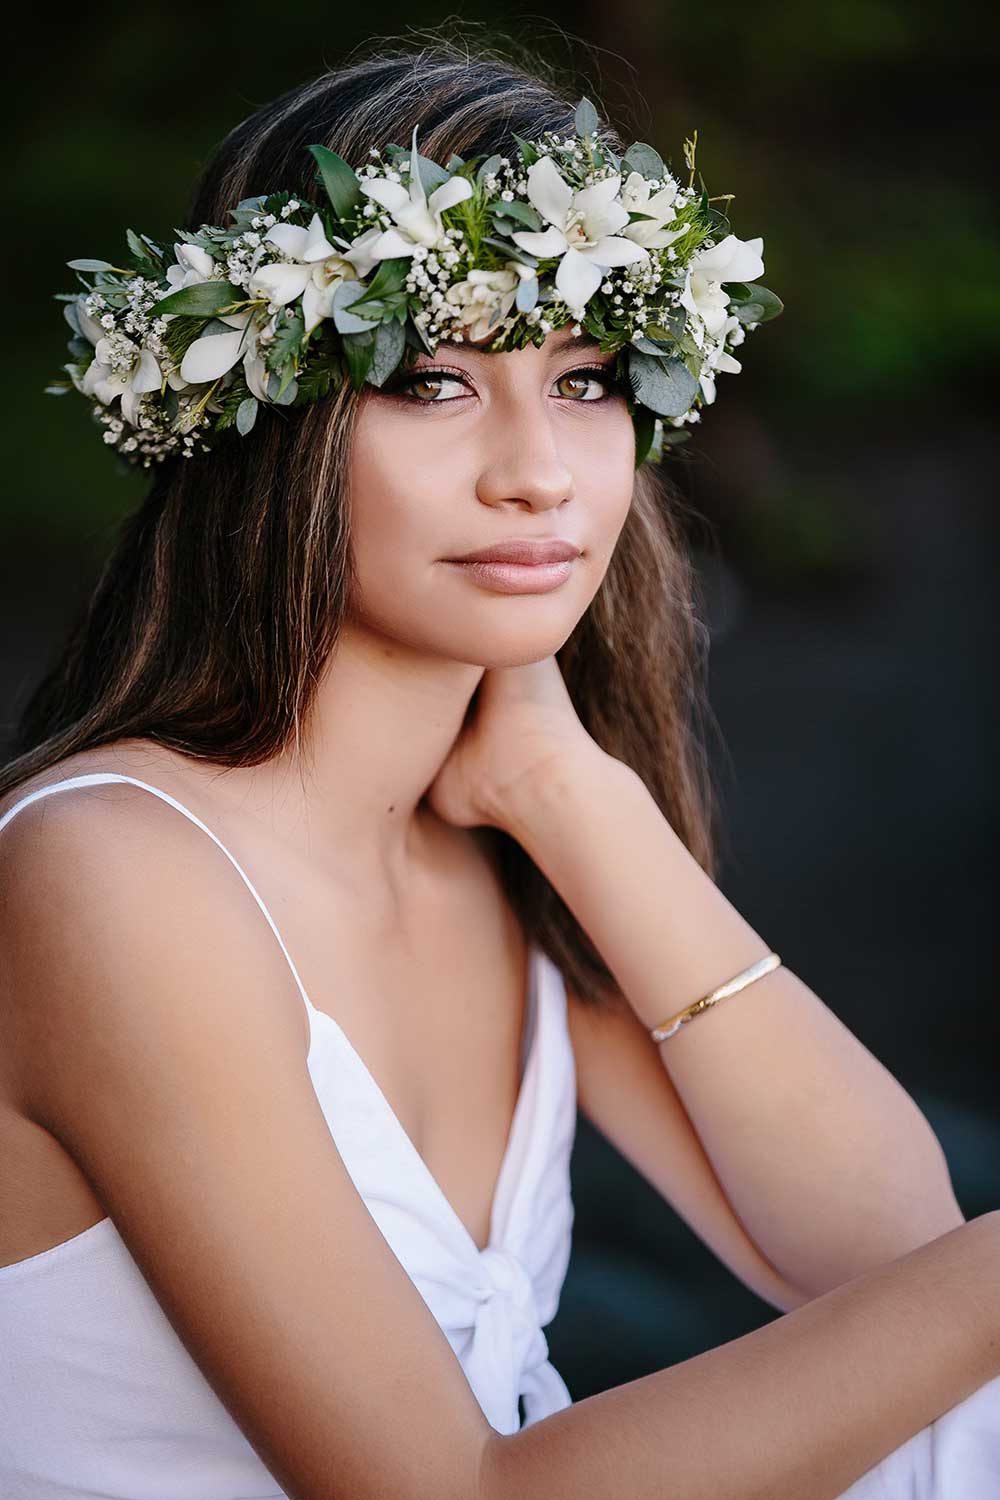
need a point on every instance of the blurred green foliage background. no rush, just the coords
(840, 495)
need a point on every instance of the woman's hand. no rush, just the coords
(519, 719)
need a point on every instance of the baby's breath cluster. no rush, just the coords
(294, 297)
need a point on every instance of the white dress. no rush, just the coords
(99, 1397)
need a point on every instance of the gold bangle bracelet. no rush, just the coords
(738, 982)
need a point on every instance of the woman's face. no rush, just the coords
(472, 447)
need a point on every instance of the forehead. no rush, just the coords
(559, 342)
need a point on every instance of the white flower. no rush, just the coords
(417, 217)
(193, 265)
(482, 295)
(210, 356)
(582, 230)
(661, 207)
(716, 357)
(121, 368)
(730, 260)
(313, 270)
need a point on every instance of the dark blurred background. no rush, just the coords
(840, 497)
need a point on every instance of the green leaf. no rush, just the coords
(586, 118)
(489, 168)
(760, 306)
(528, 152)
(643, 159)
(522, 212)
(57, 389)
(644, 423)
(666, 386)
(278, 385)
(339, 179)
(431, 174)
(359, 351)
(348, 322)
(718, 221)
(246, 415)
(390, 277)
(527, 294)
(90, 265)
(454, 162)
(513, 252)
(142, 248)
(389, 344)
(203, 298)
(284, 348)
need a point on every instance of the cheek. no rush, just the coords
(395, 516)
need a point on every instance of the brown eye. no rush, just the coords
(428, 378)
(579, 380)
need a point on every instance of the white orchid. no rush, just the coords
(730, 260)
(582, 230)
(484, 299)
(313, 270)
(717, 358)
(193, 265)
(637, 197)
(120, 367)
(211, 355)
(417, 217)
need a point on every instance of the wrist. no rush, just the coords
(572, 775)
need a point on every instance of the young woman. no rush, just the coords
(334, 873)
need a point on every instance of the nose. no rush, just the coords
(525, 464)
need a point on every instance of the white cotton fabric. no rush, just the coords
(99, 1400)
(99, 1397)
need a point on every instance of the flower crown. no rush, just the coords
(294, 297)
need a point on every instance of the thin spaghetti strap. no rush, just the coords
(94, 778)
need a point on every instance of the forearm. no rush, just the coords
(825, 1158)
(801, 1407)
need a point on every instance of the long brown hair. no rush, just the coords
(209, 626)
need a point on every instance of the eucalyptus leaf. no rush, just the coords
(202, 299)
(524, 213)
(644, 159)
(761, 307)
(718, 221)
(138, 246)
(278, 385)
(81, 348)
(390, 341)
(514, 252)
(454, 162)
(57, 390)
(489, 168)
(646, 345)
(348, 322)
(527, 294)
(339, 179)
(666, 386)
(585, 118)
(72, 317)
(246, 415)
(432, 174)
(90, 265)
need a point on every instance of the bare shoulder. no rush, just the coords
(160, 1049)
(103, 887)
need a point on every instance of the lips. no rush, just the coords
(530, 550)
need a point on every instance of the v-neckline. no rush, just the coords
(532, 1013)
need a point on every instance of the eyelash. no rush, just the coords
(604, 373)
